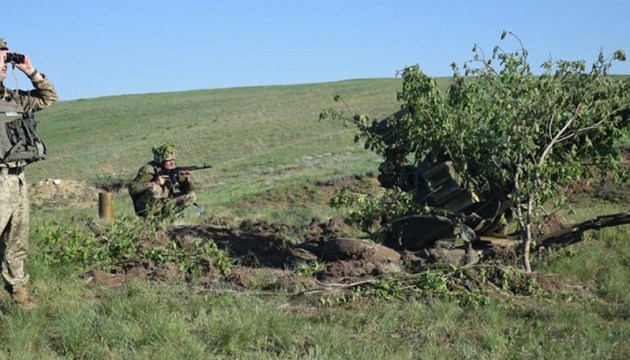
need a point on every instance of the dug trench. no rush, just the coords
(325, 256)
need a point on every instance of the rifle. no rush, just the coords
(172, 173)
(191, 167)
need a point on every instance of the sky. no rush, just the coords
(96, 48)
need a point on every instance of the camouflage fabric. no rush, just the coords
(14, 222)
(14, 207)
(151, 199)
(163, 153)
(42, 96)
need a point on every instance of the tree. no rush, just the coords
(508, 128)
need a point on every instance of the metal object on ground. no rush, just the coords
(106, 205)
(439, 184)
(469, 210)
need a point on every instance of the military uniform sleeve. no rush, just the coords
(42, 96)
(185, 185)
(141, 182)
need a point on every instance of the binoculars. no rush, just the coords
(14, 58)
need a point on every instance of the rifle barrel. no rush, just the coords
(194, 167)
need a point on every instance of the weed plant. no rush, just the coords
(266, 142)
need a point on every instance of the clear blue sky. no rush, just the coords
(94, 48)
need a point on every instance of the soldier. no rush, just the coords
(160, 189)
(19, 146)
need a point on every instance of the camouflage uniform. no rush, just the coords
(151, 199)
(14, 206)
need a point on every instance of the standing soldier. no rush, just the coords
(19, 146)
(160, 188)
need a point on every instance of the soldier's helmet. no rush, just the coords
(3, 45)
(164, 152)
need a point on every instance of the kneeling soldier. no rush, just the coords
(160, 189)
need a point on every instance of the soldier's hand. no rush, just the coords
(161, 180)
(27, 66)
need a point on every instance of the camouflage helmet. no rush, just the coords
(3, 45)
(164, 152)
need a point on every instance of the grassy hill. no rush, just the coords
(254, 137)
(232, 128)
(268, 149)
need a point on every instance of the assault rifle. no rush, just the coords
(191, 167)
(172, 173)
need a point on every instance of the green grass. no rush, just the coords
(237, 130)
(268, 147)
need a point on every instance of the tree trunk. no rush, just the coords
(526, 246)
(528, 236)
(525, 233)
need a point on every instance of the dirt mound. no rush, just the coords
(258, 243)
(59, 192)
(264, 256)
(548, 224)
(581, 192)
(275, 257)
(323, 260)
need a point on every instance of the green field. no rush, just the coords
(255, 137)
(267, 148)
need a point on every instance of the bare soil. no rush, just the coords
(61, 192)
(267, 258)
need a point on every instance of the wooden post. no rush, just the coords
(106, 205)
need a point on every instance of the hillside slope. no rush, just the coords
(239, 130)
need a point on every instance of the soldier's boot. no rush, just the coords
(23, 299)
